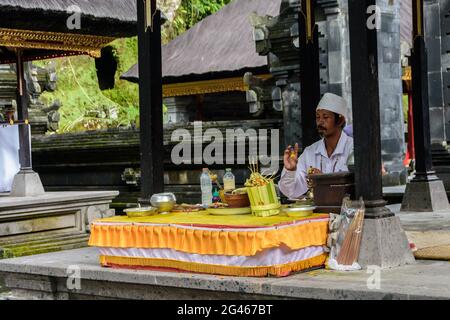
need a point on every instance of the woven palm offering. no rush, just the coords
(261, 193)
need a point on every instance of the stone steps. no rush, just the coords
(115, 138)
(50, 243)
(35, 237)
(11, 243)
(49, 248)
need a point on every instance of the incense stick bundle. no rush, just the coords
(349, 252)
(344, 252)
(350, 255)
(358, 233)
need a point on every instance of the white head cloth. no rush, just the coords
(333, 103)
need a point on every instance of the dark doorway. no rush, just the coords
(106, 68)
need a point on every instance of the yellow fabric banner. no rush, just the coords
(210, 240)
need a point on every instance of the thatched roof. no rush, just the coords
(220, 45)
(123, 10)
(40, 27)
(116, 18)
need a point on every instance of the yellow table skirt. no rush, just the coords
(225, 245)
(218, 238)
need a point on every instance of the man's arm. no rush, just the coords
(293, 184)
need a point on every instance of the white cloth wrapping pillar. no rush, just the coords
(9, 156)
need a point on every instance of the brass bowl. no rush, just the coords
(141, 212)
(297, 211)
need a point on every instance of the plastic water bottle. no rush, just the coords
(206, 185)
(229, 183)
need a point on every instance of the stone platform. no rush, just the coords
(54, 221)
(54, 276)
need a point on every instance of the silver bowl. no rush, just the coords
(163, 201)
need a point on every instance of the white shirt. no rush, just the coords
(9, 156)
(293, 183)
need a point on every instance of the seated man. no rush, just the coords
(328, 155)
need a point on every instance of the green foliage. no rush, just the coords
(85, 106)
(196, 10)
(405, 104)
(188, 14)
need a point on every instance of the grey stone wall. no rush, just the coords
(389, 57)
(222, 106)
(338, 42)
(391, 92)
(445, 51)
(335, 71)
(179, 109)
(434, 32)
(42, 117)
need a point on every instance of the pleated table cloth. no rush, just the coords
(223, 245)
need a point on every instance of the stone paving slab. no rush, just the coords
(423, 221)
(395, 190)
(423, 280)
(427, 230)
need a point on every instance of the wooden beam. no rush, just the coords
(309, 72)
(417, 7)
(150, 98)
(22, 112)
(421, 114)
(366, 109)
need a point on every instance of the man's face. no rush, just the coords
(326, 123)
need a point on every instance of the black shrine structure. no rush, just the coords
(384, 241)
(425, 192)
(150, 99)
(309, 71)
(30, 31)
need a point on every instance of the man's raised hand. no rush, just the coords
(290, 158)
